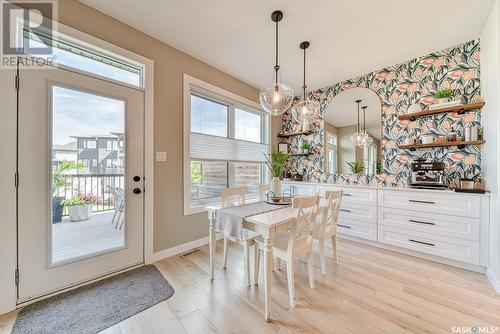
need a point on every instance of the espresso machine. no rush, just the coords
(427, 175)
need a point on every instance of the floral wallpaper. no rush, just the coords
(399, 87)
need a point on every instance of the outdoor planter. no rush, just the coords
(79, 212)
(57, 209)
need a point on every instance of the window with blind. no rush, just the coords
(227, 143)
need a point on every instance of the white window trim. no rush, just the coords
(205, 89)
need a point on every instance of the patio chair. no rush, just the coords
(119, 200)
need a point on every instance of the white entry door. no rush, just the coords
(80, 187)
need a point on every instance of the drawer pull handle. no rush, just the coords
(343, 226)
(345, 210)
(423, 202)
(420, 222)
(421, 242)
(344, 194)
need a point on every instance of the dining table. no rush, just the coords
(268, 224)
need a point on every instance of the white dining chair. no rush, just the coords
(326, 225)
(263, 190)
(232, 197)
(294, 244)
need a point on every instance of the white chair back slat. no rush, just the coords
(233, 196)
(302, 228)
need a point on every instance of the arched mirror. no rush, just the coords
(341, 154)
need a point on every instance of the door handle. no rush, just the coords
(137, 191)
(137, 178)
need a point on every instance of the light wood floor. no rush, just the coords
(369, 291)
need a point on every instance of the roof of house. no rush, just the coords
(71, 146)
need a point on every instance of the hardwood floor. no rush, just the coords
(369, 291)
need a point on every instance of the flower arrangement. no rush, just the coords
(80, 200)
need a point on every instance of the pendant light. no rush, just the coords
(358, 137)
(277, 97)
(368, 140)
(306, 111)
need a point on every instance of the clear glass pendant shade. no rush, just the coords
(359, 138)
(276, 98)
(305, 112)
(369, 141)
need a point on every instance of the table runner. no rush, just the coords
(230, 220)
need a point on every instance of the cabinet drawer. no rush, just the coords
(358, 212)
(357, 228)
(443, 225)
(353, 195)
(456, 249)
(443, 202)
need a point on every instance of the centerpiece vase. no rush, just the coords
(276, 186)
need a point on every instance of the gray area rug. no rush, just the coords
(97, 306)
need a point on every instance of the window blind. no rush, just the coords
(208, 147)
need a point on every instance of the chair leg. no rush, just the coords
(322, 257)
(256, 268)
(291, 284)
(335, 251)
(246, 251)
(310, 270)
(224, 260)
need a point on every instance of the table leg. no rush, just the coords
(268, 269)
(211, 246)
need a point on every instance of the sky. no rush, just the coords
(78, 113)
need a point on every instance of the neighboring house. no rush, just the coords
(101, 154)
(66, 152)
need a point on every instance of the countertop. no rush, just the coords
(438, 191)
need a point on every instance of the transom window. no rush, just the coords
(227, 142)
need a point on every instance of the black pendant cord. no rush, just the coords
(304, 86)
(364, 118)
(358, 102)
(276, 66)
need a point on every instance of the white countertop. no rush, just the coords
(440, 191)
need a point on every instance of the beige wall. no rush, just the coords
(171, 228)
(345, 148)
(332, 129)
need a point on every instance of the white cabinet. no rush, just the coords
(436, 201)
(451, 248)
(445, 224)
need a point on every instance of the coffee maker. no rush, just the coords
(427, 175)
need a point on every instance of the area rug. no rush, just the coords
(97, 306)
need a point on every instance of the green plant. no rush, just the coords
(470, 176)
(356, 167)
(196, 173)
(444, 93)
(305, 146)
(277, 162)
(79, 200)
(58, 180)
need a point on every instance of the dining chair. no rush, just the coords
(326, 225)
(232, 197)
(263, 190)
(294, 244)
(118, 200)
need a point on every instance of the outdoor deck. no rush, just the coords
(75, 239)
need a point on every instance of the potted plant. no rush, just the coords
(277, 163)
(58, 182)
(356, 167)
(468, 181)
(80, 206)
(444, 95)
(305, 148)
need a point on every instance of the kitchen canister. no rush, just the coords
(471, 133)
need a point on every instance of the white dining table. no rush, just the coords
(269, 225)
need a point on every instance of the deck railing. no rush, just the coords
(95, 184)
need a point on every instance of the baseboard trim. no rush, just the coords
(494, 280)
(166, 253)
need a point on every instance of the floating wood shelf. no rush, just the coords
(458, 109)
(459, 144)
(291, 134)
